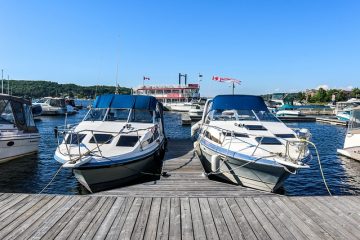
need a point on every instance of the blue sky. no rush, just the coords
(275, 45)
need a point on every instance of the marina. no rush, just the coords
(182, 204)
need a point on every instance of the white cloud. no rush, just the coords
(324, 86)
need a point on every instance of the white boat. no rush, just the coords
(344, 115)
(52, 106)
(120, 138)
(18, 133)
(288, 113)
(352, 139)
(196, 111)
(239, 140)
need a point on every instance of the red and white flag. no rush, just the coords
(226, 79)
(146, 78)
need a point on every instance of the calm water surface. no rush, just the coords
(31, 174)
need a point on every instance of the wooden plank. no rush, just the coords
(98, 219)
(287, 205)
(120, 218)
(75, 221)
(198, 225)
(243, 224)
(209, 224)
(109, 220)
(266, 224)
(229, 219)
(315, 215)
(175, 219)
(140, 226)
(327, 215)
(252, 220)
(17, 218)
(297, 227)
(54, 230)
(277, 224)
(341, 207)
(220, 223)
(32, 224)
(164, 220)
(16, 210)
(187, 232)
(151, 227)
(15, 200)
(341, 212)
(131, 219)
(58, 214)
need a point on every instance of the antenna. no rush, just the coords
(2, 80)
(8, 85)
(117, 75)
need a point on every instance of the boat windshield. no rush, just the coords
(355, 120)
(241, 115)
(6, 116)
(96, 114)
(119, 115)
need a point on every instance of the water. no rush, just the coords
(31, 174)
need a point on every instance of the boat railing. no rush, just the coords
(69, 130)
(288, 143)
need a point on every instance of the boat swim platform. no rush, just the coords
(183, 205)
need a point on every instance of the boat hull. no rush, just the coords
(15, 147)
(99, 178)
(254, 175)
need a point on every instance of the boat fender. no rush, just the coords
(215, 163)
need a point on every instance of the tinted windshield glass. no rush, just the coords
(117, 115)
(144, 116)
(95, 114)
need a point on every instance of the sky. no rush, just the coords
(271, 46)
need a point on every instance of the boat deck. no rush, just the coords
(183, 205)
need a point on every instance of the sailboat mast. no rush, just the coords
(2, 81)
(117, 74)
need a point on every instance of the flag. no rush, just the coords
(226, 79)
(146, 78)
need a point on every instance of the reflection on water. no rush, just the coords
(31, 174)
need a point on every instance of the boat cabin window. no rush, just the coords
(120, 115)
(143, 116)
(57, 102)
(6, 112)
(268, 141)
(127, 141)
(75, 138)
(285, 135)
(95, 114)
(101, 138)
(255, 127)
(355, 119)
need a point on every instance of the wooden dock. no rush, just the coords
(182, 205)
(332, 121)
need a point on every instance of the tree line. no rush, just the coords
(38, 89)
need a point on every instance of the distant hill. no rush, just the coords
(38, 89)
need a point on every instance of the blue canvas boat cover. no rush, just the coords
(125, 101)
(239, 102)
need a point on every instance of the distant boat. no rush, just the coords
(240, 141)
(36, 110)
(352, 139)
(120, 137)
(52, 106)
(19, 135)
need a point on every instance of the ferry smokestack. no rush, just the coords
(185, 79)
(179, 78)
